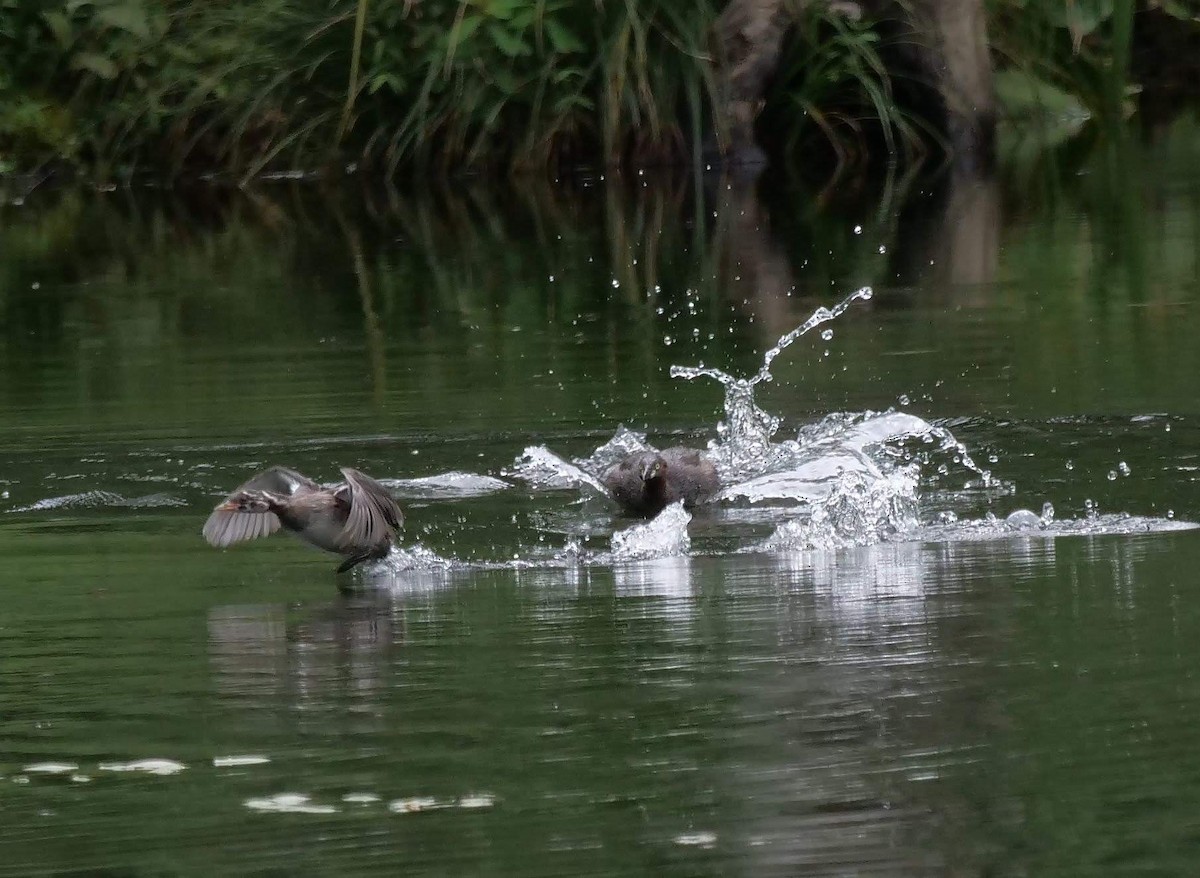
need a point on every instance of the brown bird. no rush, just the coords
(357, 518)
(646, 482)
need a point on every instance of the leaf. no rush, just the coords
(127, 17)
(96, 63)
(462, 32)
(561, 39)
(510, 44)
(1179, 9)
(60, 26)
(501, 9)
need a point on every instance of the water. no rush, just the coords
(940, 620)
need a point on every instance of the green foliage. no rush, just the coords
(835, 83)
(441, 82)
(169, 85)
(1077, 48)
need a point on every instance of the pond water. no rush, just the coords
(944, 619)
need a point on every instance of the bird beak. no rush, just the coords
(649, 471)
(227, 506)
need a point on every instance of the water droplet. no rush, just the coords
(1070, 465)
(882, 249)
(36, 285)
(1123, 467)
(992, 458)
(858, 230)
(1112, 475)
(1047, 513)
(903, 399)
(1168, 428)
(1170, 513)
(667, 340)
(827, 334)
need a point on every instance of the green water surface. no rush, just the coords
(1019, 706)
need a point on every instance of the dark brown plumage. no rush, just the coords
(357, 518)
(646, 482)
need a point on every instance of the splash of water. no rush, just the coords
(663, 536)
(858, 511)
(744, 445)
(543, 469)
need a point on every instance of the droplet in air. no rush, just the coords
(827, 334)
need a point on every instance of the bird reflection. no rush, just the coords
(268, 654)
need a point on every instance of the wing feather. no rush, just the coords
(224, 528)
(374, 513)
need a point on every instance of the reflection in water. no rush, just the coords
(262, 656)
(952, 244)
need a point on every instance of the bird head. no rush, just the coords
(653, 468)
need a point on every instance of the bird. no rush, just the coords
(646, 482)
(356, 518)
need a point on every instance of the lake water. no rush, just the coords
(860, 661)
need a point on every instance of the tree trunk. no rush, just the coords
(945, 45)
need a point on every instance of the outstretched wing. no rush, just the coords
(374, 513)
(278, 480)
(228, 526)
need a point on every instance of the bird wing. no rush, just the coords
(278, 480)
(228, 526)
(374, 513)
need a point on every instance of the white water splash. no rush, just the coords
(289, 803)
(238, 761)
(161, 767)
(744, 448)
(858, 511)
(51, 768)
(541, 468)
(663, 536)
(446, 486)
(415, 557)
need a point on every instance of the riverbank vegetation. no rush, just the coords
(115, 87)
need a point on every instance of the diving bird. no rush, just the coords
(357, 518)
(646, 482)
